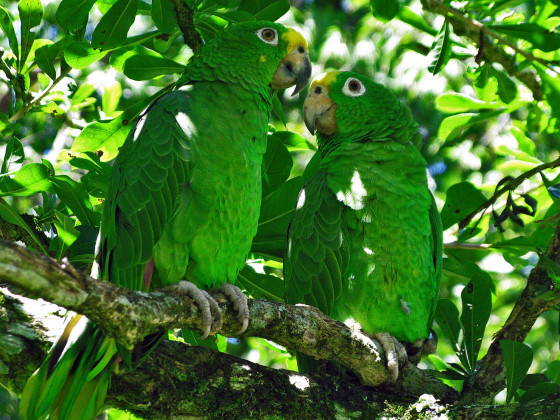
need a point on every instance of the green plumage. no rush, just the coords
(184, 193)
(365, 240)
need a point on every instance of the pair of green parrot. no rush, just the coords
(184, 201)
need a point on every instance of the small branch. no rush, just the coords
(491, 53)
(26, 108)
(185, 17)
(508, 186)
(462, 245)
(4, 67)
(129, 316)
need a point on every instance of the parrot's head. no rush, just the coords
(257, 55)
(346, 106)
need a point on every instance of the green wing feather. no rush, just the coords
(150, 171)
(317, 252)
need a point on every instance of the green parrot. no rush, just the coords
(365, 242)
(183, 202)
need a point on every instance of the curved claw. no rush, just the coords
(239, 301)
(395, 353)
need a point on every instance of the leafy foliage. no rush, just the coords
(76, 74)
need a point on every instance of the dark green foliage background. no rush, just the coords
(479, 125)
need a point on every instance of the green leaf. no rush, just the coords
(476, 298)
(30, 14)
(273, 11)
(416, 21)
(462, 199)
(485, 85)
(66, 234)
(451, 126)
(193, 339)
(539, 391)
(45, 57)
(507, 88)
(552, 268)
(163, 15)
(553, 371)
(384, 10)
(51, 108)
(517, 358)
(540, 37)
(74, 195)
(253, 6)
(447, 317)
(13, 154)
(81, 54)
(278, 109)
(145, 67)
(440, 51)
(261, 286)
(73, 14)
(30, 179)
(294, 141)
(9, 214)
(276, 165)
(460, 102)
(119, 57)
(113, 27)
(276, 213)
(110, 99)
(8, 29)
(81, 252)
(551, 89)
(107, 137)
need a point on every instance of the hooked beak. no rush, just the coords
(295, 68)
(319, 110)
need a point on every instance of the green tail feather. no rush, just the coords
(72, 382)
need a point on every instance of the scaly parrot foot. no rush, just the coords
(239, 301)
(394, 351)
(209, 309)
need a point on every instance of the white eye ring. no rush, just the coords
(265, 35)
(353, 87)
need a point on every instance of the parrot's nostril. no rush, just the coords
(289, 67)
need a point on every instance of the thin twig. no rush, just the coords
(509, 186)
(463, 245)
(25, 109)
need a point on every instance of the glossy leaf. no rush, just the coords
(72, 14)
(146, 67)
(276, 213)
(440, 51)
(261, 286)
(460, 102)
(110, 98)
(273, 11)
(276, 165)
(30, 14)
(80, 55)
(462, 199)
(476, 298)
(45, 57)
(447, 318)
(163, 15)
(13, 153)
(113, 27)
(384, 10)
(75, 197)
(517, 358)
(8, 29)
(507, 89)
(30, 179)
(540, 37)
(539, 391)
(66, 234)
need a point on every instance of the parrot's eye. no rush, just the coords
(353, 87)
(268, 35)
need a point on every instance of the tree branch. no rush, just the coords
(508, 186)
(491, 53)
(129, 316)
(185, 17)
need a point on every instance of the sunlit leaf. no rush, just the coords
(261, 286)
(81, 54)
(45, 57)
(145, 67)
(163, 15)
(30, 14)
(8, 30)
(384, 10)
(460, 102)
(66, 234)
(30, 179)
(113, 27)
(74, 195)
(540, 37)
(440, 51)
(110, 98)
(451, 126)
(13, 153)
(507, 88)
(517, 358)
(72, 14)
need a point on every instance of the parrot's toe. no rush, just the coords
(210, 311)
(395, 353)
(239, 301)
